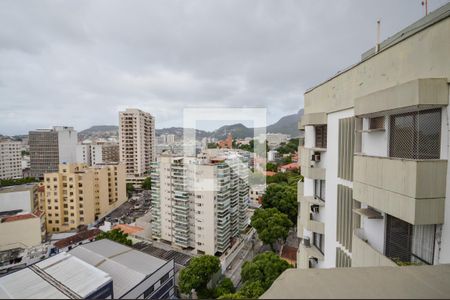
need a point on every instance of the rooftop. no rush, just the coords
(128, 229)
(78, 237)
(62, 276)
(127, 266)
(366, 282)
(18, 188)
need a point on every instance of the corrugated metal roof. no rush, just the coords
(128, 267)
(61, 276)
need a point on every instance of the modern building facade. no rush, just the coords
(79, 195)
(199, 203)
(376, 189)
(10, 159)
(137, 143)
(97, 153)
(51, 147)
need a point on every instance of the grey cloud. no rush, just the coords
(78, 63)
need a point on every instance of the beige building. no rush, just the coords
(22, 224)
(79, 194)
(137, 143)
(375, 157)
(10, 159)
(22, 230)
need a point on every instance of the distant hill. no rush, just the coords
(286, 125)
(99, 131)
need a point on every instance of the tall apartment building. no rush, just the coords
(97, 153)
(137, 143)
(199, 203)
(375, 156)
(78, 194)
(10, 159)
(51, 147)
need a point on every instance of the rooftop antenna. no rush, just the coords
(377, 46)
(425, 4)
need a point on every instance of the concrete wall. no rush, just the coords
(363, 255)
(423, 55)
(15, 200)
(23, 232)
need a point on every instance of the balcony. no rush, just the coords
(309, 167)
(364, 255)
(312, 119)
(411, 190)
(305, 253)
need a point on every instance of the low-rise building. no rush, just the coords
(135, 275)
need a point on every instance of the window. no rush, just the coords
(416, 135)
(409, 243)
(318, 241)
(319, 189)
(149, 291)
(321, 136)
(164, 278)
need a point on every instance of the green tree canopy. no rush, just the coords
(147, 183)
(264, 268)
(271, 167)
(115, 235)
(130, 189)
(271, 225)
(282, 197)
(18, 181)
(224, 287)
(198, 273)
(251, 290)
(290, 147)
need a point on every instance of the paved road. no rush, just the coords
(247, 253)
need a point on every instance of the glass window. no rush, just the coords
(318, 241)
(319, 189)
(416, 135)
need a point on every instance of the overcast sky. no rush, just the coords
(78, 63)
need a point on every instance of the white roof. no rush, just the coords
(62, 272)
(128, 267)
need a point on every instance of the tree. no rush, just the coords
(271, 225)
(198, 273)
(130, 189)
(282, 197)
(18, 181)
(264, 268)
(212, 145)
(115, 235)
(232, 296)
(252, 290)
(224, 287)
(271, 167)
(290, 147)
(147, 183)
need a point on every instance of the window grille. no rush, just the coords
(321, 136)
(416, 135)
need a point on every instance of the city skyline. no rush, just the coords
(162, 57)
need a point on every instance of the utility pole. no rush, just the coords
(425, 4)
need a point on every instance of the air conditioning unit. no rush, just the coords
(306, 242)
(315, 209)
(315, 157)
(313, 262)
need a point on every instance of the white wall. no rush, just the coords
(444, 255)
(375, 143)
(67, 145)
(16, 200)
(329, 212)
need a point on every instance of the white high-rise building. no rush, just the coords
(137, 143)
(51, 147)
(199, 203)
(10, 159)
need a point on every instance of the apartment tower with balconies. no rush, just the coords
(137, 143)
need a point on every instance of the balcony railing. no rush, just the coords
(411, 190)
